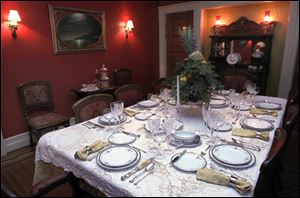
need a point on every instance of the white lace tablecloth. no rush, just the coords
(58, 148)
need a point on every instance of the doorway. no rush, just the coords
(175, 49)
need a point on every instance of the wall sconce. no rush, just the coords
(128, 28)
(268, 25)
(12, 22)
(218, 25)
(267, 16)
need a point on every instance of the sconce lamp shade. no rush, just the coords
(13, 19)
(129, 25)
(128, 28)
(218, 20)
(267, 16)
(13, 16)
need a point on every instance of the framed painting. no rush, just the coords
(77, 30)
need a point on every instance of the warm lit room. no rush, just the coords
(149, 98)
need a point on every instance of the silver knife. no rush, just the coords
(132, 134)
(94, 124)
(136, 169)
(241, 145)
(244, 143)
(178, 156)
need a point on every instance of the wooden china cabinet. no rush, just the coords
(243, 45)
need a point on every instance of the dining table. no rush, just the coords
(58, 148)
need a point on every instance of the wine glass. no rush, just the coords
(159, 137)
(168, 126)
(212, 123)
(153, 125)
(164, 94)
(108, 116)
(117, 108)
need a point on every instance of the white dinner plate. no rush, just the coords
(119, 168)
(177, 125)
(252, 162)
(148, 103)
(244, 107)
(184, 135)
(256, 124)
(118, 156)
(217, 103)
(189, 162)
(121, 138)
(185, 144)
(231, 154)
(143, 116)
(225, 128)
(223, 92)
(268, 105)
(103, 120)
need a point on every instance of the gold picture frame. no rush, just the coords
(77, 30)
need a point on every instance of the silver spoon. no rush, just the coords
(148, 168)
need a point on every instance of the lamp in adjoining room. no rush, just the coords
(12, 22)
(128, 28)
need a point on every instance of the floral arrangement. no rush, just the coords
(197, 76)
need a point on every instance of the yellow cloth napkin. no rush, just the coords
(250, 133)
(86, 151)
(130, 112)
(256, 111)
(211, 176)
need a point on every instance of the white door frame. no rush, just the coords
(291, 44)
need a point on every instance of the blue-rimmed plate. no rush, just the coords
(268, 105)
(256, 124)
(103, 120)
(189, 162)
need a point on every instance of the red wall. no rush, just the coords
(31, 57)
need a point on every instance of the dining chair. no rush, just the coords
(38, 107)
(122, 76)
(159, 84)
(269, 178)
(129, 94)
(91, 106)
(234, 79)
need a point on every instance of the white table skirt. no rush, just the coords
(58, 148)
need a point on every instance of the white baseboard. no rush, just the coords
(16, 142)
(21, 140)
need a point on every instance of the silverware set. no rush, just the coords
(242, 144)
(91, 125)
(146, 167)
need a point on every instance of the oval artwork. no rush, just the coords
(79, 30)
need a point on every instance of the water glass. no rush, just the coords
(168, 126)
(108, 116)
(154, 126)
(159, 137)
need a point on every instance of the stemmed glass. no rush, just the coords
(164, 93)
(168, 125)
(117, 109)
(159, 137)
(212, 123)
(153, 125)
(108, 116)
(205, 111)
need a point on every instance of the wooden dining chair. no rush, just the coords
(129, 94)
(38, 107)
(91, 106)
(269, 178)
(122, 76)
(234, 79)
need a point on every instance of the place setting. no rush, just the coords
(257, 124)
(232, 156)
(118, 158)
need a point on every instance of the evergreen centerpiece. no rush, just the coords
(197, 76)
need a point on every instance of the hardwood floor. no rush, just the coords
(17, 170)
